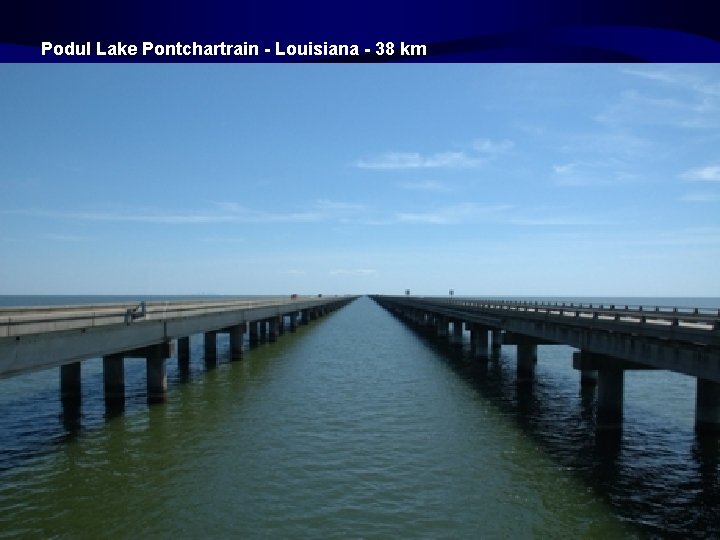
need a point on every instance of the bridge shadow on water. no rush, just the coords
(39, 421)
(641, 483)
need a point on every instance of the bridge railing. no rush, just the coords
(16, 321)
(687, 317)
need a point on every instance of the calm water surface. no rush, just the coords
(356, 426)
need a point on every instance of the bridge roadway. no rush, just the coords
(34, 338)
(610, 340)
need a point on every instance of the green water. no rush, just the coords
(352, 427)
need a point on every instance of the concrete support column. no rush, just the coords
(496, 341)
(183, 353)
(70, 385)
(114, 377)
(479, 340)
(583, 361)
(293, 321)
(429, 322)
(305, 316)
(281, 325)
(457, 335)
(274, 328)
(588, 377)
(526, 359)
(610, 397)
(253, 329)
(156, 374)
(236, 341)
(263, 330)
(441, 326)
(210, 348)
(707, 406)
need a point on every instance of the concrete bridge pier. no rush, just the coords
(274, 330)
(496, 341)
(183, 354)
(305, 316)
(610, 397)
(526, 359)
(457, 335)
(210, 344)
(253, 333)
(114, 380)
(582, 361)
(479, 340)
(236, 341)
(293, 321)
(263, 330)
(281, 325)
(441, 326)
(707, 406)
(430, 325)
(70, 383)
(155, 356)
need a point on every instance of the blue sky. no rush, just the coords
(273, 179)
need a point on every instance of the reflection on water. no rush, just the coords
(356, 426)
(656, 472)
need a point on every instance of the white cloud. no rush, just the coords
(223, 239)
(229, 213)
(415, 160)
(559, 222)
(64, 237)
(427, 185)
(451, 215)
(487, 146)
(709, 173)
(355, 272)
(687, 80)
(602, 172)
(325, 204)
(690, 100)
(700, 197)
(564, 169)
(479, 151)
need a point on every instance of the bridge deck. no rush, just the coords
(18, 321)
(685, 340)
(41, 337)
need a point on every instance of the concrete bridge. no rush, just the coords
(610, 340)
(35, 338)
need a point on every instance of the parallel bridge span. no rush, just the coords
(610, 339)
(34, 338)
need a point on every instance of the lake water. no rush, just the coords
(356, 426)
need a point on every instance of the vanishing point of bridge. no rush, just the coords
(610, 339)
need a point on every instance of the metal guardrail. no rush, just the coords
(17, 321)
(686, 317)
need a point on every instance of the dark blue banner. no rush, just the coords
(519, 31)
